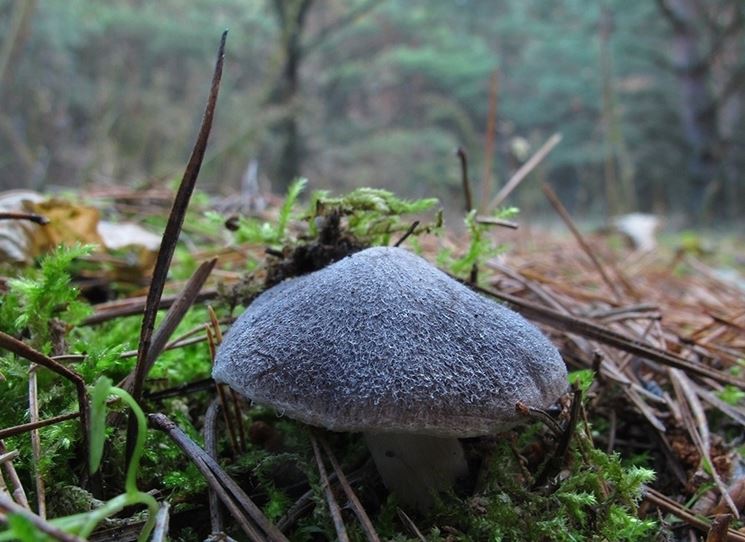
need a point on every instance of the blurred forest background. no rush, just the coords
(647, 95)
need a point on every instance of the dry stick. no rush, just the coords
(572, 324)
(238, 413)
(491, 121)
(229, 492)
(610, 367)
(491, 221)
(24, 351)
(733, 412)
(161, 523)
(557, 461)
(210, 444)
(33, 408)
(71, 358)
(728, 322)
(10, 456)
(168, 244)
(408, 232)
(16, 488)
(464, 178)
(687, 395)
(540, 415)
(411, 525)
(26, 427)
(670, 506)
(134, 308)
(8, 506)
(195, 386)
(254, 534)
(306, 501)
(172, 319)
(359, 510)
(233, 395)
(37, 219)
(523, 172)
(619, 311)
(684, 401)
(564, 214)
(3, 487)
(341, 531)
(221, 395)
(215, 323)
(172, 345)
(719, 528)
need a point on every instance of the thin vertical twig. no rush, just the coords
(238, 413)
(33, 409)
(464, 178)
(216, 341)
(221, 395)
(359, 510)
(162, 519)
(8, 456)
(176, 312)
(564, 214)
(210, 445)
(170, 238)
(14, 482)
(684, 395)
(524, 170)
(235, 499)
(491, 132)
(34, 356)
(341, 531)
(411, 525)
(407, 233)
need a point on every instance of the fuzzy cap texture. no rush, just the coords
(382, 341)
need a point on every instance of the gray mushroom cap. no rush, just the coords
(382, 341)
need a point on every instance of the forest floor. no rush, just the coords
(653, 339)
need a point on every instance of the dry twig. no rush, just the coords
(249, 516)
(9, 507)
(170, 237)
(341, 531)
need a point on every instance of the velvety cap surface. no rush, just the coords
(384, 341)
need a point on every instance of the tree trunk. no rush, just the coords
(698, 109)
(291, 16)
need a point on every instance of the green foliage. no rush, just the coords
(582, 379)
(731, 394)
(595, 499)
(481, 246)
(35, 298)
(253, 231)
(372, 214)
(98, 397)
(83, 524)
(23, 530)
(285, 212)
(43, 294)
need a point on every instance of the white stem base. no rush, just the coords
(415, 467)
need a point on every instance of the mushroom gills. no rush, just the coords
(417, 467)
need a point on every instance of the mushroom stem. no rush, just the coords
(416, 467)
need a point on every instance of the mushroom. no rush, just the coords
(383, 343)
